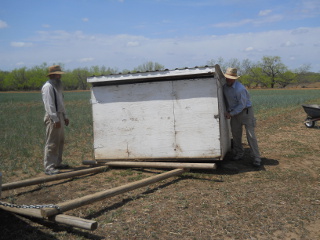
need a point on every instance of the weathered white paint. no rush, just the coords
(172, 119)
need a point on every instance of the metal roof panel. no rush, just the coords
(175, 74)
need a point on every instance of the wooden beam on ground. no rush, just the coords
(92, 162)
(60, 218)
(75, 221)
(71, 204)
(39, 180)
(154, 164)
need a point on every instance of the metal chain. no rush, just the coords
(29, 206)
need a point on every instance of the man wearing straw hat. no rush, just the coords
(239, 110)
(55, 119)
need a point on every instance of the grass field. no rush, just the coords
(280, 202)
(23, 132)
(271, 102)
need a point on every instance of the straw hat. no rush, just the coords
(55, 69)
(231, 73)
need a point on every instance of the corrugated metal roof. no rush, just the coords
(178, 73)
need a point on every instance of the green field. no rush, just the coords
(270, 102)
(22, 130)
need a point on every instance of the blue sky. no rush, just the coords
(123, 34)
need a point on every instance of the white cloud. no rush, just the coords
(295, 47)
(288, 44)
(269, 19)
(255, 22)
(3, 24)
(301, 31)
(85, 19)
(55, 36)
(21, 44)
(310, 8)
(46, 26)
(233, 24)
(83, 60)
(265, 12)
(133, 44)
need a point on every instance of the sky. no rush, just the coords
(123, 34)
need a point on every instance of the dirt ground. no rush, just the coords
(281, 200)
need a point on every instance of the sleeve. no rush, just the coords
(49, 103)
(63, 107)
(242, 102)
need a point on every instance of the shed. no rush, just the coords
(160, 116)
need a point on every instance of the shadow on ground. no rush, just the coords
(228, 166)
(15, 227)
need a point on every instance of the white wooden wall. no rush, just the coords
(157, 120)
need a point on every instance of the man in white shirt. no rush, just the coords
(55, 119)
(240, 111)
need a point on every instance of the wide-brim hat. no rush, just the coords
(55, 69)
(231, 73)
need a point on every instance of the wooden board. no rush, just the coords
(225, 129)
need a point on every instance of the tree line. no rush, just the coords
(270, 72)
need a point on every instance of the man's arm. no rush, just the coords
(49, 102)
(242, 97)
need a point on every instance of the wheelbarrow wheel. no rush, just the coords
(309, 123)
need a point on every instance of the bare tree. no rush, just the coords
(302, 73)
(220, 62)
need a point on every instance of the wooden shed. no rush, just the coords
(160, 116)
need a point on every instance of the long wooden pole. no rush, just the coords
(154, 164)
(34, 181)
(60, 218)
(65, 206)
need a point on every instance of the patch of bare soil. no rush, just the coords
(281, 200)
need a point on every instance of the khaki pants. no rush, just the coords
(54, 143)
(247, 119)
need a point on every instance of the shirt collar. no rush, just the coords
(233, 85)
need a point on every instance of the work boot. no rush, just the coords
(257, 162)
(52, 171)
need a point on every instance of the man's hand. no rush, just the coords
(66, 121)
(228, 116)
(57, 125)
